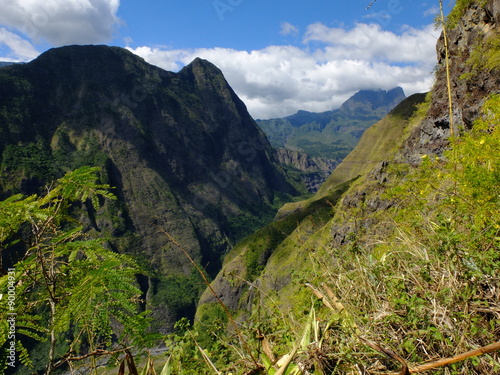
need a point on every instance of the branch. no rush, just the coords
(446, 361)
(390, 354)
(98, 352)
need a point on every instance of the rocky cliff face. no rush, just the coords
(180, 149)
(314, 170)
(473, 78)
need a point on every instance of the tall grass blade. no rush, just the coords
(167, 368)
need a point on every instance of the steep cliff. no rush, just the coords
(313, 171)
(181, 150)
(473, 54)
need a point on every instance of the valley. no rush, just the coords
(312, 244)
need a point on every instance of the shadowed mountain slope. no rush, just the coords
(180, 149)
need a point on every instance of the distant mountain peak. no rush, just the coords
(370, 100)
(334, 133)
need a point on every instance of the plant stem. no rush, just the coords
(447, 66)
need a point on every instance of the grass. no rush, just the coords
(419, 280)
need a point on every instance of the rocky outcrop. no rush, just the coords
(315, 170)
(469, 87)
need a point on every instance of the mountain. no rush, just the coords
(277, 248)
(399, 247)
(180, 149)
(332, 134)
(5, 63)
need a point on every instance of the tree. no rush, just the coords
(65, 283)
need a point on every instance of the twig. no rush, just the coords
(98, 352)
(448, 361)
(447, 66)
(390, 354)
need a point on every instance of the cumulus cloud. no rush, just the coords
(370, 42)
(61, 22)
(334, 64)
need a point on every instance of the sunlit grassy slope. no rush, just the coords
(378, 144)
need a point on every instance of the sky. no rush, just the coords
(280, 56)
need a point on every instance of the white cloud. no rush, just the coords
(334, 64)
(434, 11)
(61, 22)
(370, 42)
(288, 28)
(20, 49)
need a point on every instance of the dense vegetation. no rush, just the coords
(180, 151)
(71, 294)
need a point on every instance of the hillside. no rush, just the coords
(180, 149)
(398, 250)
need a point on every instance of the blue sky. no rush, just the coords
(279, 56)
(255, 24)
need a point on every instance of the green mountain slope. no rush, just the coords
(181, 150)
(399, 248)
(268, 250)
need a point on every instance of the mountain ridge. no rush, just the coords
(180, 149)
(331, 134)
(328, 136)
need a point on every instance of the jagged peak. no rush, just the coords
(201, 68)
(377, 98)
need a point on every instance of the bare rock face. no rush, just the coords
(314, 170)
(472, 31)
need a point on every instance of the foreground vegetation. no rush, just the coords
(69, 293)
(421, 285)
